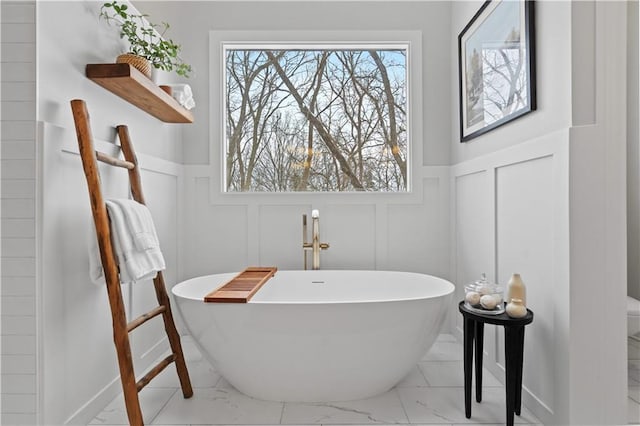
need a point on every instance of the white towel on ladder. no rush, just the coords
(139, 222)
(135, 243)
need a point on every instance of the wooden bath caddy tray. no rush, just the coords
(242, 287)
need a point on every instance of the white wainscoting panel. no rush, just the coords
(474, 242)
(511, 216)
(473, 230)
(215, 236)
(279, 238)
(227, 232)
(525, 236)
(161, 195)
(76, 319)
(416, 234)
(351, 231)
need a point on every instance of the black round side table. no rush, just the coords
(474, 322)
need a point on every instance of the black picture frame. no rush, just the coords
(496, 57)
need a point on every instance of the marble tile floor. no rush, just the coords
(431, 394)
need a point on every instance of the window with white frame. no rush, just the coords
(315, 117)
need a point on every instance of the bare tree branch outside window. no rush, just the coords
(324, 120)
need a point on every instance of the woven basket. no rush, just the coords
(138, 62)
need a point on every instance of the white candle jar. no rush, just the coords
(484, 296)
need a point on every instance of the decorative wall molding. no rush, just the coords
(540, 166)
(65, 199)
(367, 220)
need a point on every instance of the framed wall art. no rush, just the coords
(497, 66)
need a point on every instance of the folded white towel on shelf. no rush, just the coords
(183, 94)
(135, 243)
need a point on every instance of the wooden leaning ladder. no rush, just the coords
(122, 328)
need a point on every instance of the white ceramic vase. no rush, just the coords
(516, 289)
(516, 309)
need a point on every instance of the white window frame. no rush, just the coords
(411, 40)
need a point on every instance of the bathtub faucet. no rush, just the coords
(315, 245)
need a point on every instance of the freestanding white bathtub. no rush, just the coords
(317, 336)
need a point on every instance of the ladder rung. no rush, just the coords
(155, 371)
(106, 158)
(145, 317)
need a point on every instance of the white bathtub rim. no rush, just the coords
(178, 290)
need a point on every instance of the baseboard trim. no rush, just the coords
(96, 403)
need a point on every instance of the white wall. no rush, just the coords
(510, 193)
(370, 231)
(553, 38)
(18, 320)
(550, 190)
(70, 36)
(547, 204)
(597, 180)
(68, 380)
(519, 198)
(509, 209)
(192, 21)
(78, 371)
(633, 151)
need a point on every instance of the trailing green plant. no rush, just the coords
(146, 39)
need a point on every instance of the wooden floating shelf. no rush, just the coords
(134, 87)
(242, 287)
